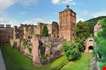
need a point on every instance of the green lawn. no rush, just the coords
(81, 64)
(16, 61)
(59, 63)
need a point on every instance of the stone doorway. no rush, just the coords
(89, 44)
(90, 49)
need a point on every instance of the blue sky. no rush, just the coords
(32, 11)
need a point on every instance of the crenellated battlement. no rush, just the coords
(5, 26)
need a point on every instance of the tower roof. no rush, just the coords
(68, 9)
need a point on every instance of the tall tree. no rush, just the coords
(45, 31)
(83, 30)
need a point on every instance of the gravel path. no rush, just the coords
(94, 64)
(2, 64)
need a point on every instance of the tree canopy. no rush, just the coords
(45, 31)
(101, 42)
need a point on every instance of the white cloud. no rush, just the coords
(4, 4)
(80, 19)
(85, 14)
(63, 2)
(91, 14)
(5, 20)
(37, 20)
(56, 1)
(99, 13)
(27, 2)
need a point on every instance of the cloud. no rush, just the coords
(56, 1)
(92, 14)
(5, 20)
(27, 2)
(4, 4)
(99, 13)
(63, 2)
(85, 14)
(80, 19)
(37, 20)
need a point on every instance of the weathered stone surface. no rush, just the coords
(6, 33)
(67, 20)
(97, 28)
(35, 50)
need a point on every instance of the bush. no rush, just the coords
(72, 50)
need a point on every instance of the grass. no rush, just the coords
(14, 60)
(59, 63)
(81, 64)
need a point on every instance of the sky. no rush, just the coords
(17, 12)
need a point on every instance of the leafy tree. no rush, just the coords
(100, 49)
(45, 31)
(42, 55)
(71, 50)
(83, 30)
(80, 43)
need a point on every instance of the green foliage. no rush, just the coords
(42, 53)
(93, 21)
(80, 42)
(45, 31)
(59, 63)
(100, 49)
(81, 64)
(86, 28)
(72, 50)
(103, 22)
(83, 30)
(26, 44)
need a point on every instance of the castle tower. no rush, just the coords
(67, 20)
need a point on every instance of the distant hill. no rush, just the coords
(91, 22)
(86, 28)
(94, 20)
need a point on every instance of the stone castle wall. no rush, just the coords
(5, 33)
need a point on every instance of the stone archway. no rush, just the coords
(89, 44)
(90, 48)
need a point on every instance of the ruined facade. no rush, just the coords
(29, 40)
(97, 28)
(53, 29)
(67, 20)
(5, 33)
